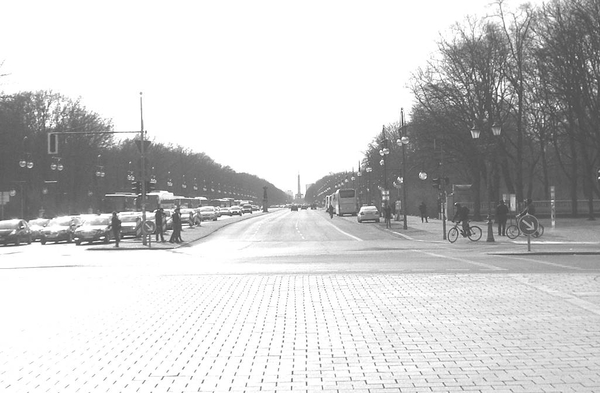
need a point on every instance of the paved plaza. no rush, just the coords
(110, 330)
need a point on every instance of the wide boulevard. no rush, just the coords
(297, 301)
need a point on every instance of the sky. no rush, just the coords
(276, 89)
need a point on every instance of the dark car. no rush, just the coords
(131, 224)
(14, 231)
(235, 210)
(247, 208)
(36, 225)
(94, 229)
(294, 208)
(60, 229)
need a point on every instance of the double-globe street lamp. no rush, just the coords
(475, 134)
(402, 142)
(26, 164)
(384, 152)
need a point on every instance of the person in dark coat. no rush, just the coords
(158, 220)
(423, 210)
(501, 217)
(115, 224)
(387, 211)
(176, 235)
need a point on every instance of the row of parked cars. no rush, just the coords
(97, 227)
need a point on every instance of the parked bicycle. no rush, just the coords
(513, 231)
(473, 235)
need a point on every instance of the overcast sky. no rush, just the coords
(271, 88)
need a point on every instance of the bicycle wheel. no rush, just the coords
(512, 231)
(539, 232)
(452, 235)
(474, 233)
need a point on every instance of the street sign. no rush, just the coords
(138, 143)
(149, 227)
(4, 197)
(528, 224)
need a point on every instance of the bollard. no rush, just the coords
(490, 224)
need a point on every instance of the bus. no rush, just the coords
(344, 202)
(119, 202)
(221, 202)
(167, 200)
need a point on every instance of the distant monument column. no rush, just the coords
(265, 200)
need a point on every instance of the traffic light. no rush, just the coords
(52, 143)
(436, 182)
(150, 186)
(598, 176)
(136, 187)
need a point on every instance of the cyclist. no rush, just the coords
(462, 213)
(529, 209)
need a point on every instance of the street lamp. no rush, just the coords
(402, 142)
(99, 175)
(384, 152)
(24, 163)
(475, 134)
(368, 169)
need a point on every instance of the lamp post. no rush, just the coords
(402, 142)
(99, 176)
(384, 152)
(475, 134)
(368, 169)
(26, 164)
(55, 166)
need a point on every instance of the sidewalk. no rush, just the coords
(188, 235)
(567, 232)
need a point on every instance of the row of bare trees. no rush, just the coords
(534, 74)
(93, 163)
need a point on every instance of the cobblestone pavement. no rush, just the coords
(106, 330)
(298, 333)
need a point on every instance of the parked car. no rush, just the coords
(247, 208)
(188, 216)
(235, 210)
(14, 231)
(131, 223)
(208, 213)
(36, 225)
(151, 216)
(368, 213)
(60, 229)
(93, 229)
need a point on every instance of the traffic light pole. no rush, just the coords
(53, 150)
(443, 191)
(145, 240)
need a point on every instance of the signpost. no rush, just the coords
(528, 225)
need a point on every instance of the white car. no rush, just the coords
(368, 213)
(208, 213)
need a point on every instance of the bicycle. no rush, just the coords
(473, 235)
(513, 231)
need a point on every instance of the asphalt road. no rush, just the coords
(296, 301)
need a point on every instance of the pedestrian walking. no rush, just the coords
(330, 211)
(176, 234)
(387, 211)
(159, 215)
(423, 210)
(115, 224)
(501, 217)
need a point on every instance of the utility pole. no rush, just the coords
(148, 239)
